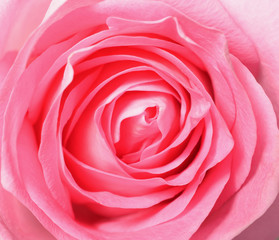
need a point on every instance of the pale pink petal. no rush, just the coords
(261, 186)
(45, 194)
(213, 14)
(17, 21)
(244, 23)
(17, 222)
(257, 19)
(266, 227)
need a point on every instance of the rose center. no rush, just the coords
(151, 114)
(137, 133)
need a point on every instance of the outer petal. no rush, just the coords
(265, 227)
(17, 222)
(262, 183)
(251, 28)
(236, 54)
(260, 20)
(212, 13)
(5, 64)
(17, 20)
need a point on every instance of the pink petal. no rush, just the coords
(266, 227)
(17, 21)
(213, 14)
(257, 19)
(244, 23)
(30, 187)
(261, 186)
(17, 221)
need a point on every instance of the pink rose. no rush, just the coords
(139, 119)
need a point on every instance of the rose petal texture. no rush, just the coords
(250, 28)
(138, 119)
(17, 20)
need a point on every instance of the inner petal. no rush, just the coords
(137, 132)
(141, 119)
(150, 114)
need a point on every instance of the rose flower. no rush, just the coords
(138, 119)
